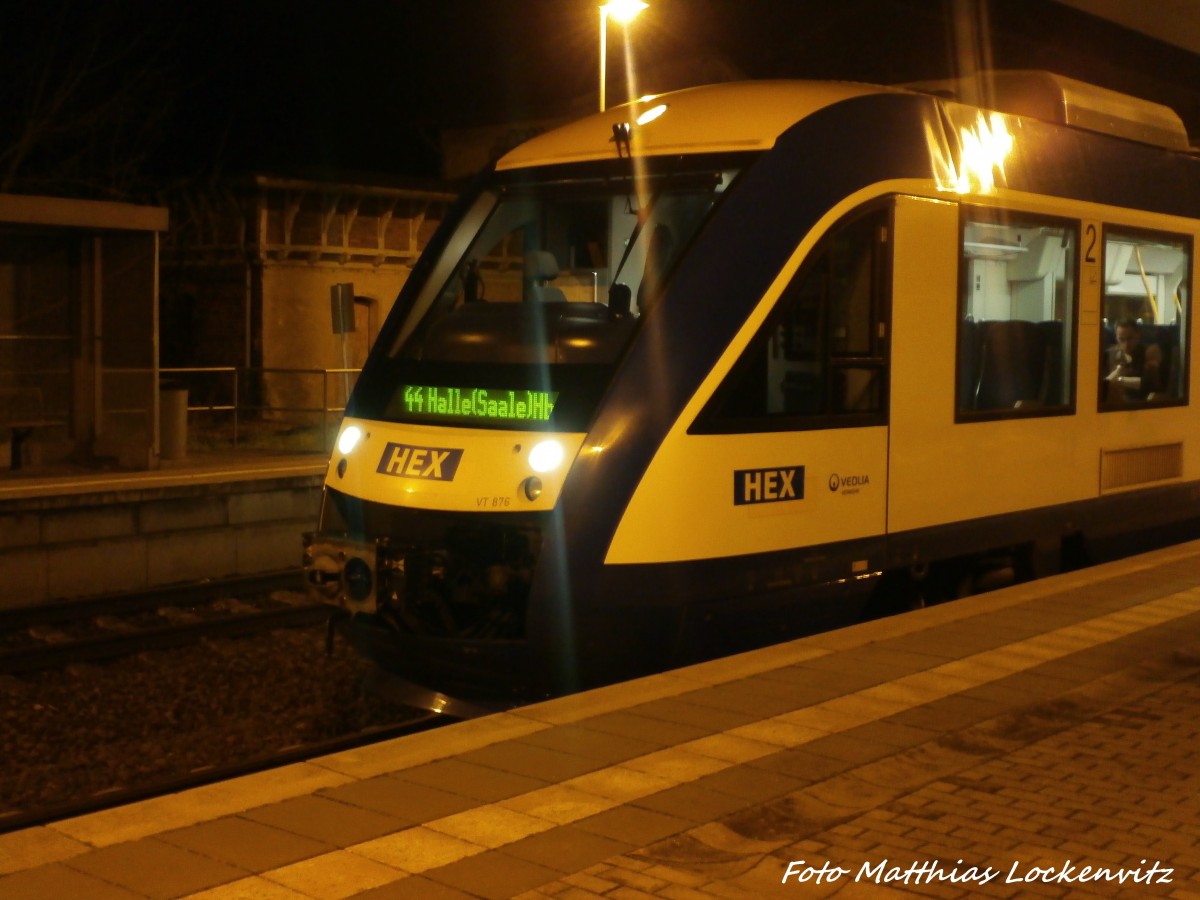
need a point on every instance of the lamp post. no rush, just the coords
(623, 11)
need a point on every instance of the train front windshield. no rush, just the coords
(535, 294)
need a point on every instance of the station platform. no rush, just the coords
(72, 532)
(1038, 740)
(221, 467)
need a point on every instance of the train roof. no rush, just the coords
(751, 115)
(1056, 98)
(747, 115)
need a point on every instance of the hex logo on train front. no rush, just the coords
(408, 461)
(768, 485)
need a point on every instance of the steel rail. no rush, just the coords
(183, 594)
(158, 637)
(154, 636)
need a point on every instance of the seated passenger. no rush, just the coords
(1132, 370)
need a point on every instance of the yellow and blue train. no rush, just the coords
(744, 361)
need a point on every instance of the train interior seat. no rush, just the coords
(1006, 364)
(540, 269)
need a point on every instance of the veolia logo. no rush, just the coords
(848, 484)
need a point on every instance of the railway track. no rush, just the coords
(37, 642)
(13, 820)
(56, 635)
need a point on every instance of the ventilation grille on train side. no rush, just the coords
(1140, 465)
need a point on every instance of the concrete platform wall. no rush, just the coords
(124, 540)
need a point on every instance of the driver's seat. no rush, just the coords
(540, 268)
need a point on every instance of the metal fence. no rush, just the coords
(268, 408)
(226, 407)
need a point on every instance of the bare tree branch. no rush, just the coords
(87, 94)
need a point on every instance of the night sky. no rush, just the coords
(195, 89)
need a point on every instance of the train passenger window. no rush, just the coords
(1017, 309)
(1143, 341)
(819, 361)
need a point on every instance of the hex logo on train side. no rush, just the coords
(768, 485)
(408, 461)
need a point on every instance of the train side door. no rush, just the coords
(793, 441)
(984, 419)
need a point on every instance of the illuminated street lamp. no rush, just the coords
(623, 11)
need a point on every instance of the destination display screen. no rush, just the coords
(477, 403)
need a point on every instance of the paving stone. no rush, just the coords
(245, 844)
(405, 801)
(568, 849)
(532, 762)
(56, 880)
(415, 887)
(493, 875)
(655, 731)
(677, 710)
(751, 784)
(324, 819)
(591, 743)
(691, 802)
(332, 876)
(155, 868)
(457, 776)
(640, 826)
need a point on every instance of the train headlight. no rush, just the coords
(349, 439)
(546, 456)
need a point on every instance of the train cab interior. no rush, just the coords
(562, 271)
(820, 359)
